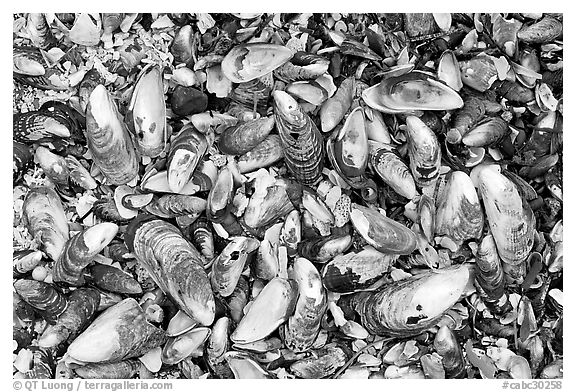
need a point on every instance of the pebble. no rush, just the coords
(188, 100)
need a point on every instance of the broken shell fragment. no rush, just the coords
(410, 306)
(504, 33)
(108, 141)
(174, 264)
(302, 327)
(246, 62)
(120, 332)
(384, 234)
(217, 346)
(80, 250)
(230, 263)
(479, 73)
(269, 201)
(411, 91)
(424, 151)
(43, 297)
(270, 309)
(183, 346)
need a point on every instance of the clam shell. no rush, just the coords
(228, 266)
(44, 216)
(115, 280)
(302, 142)
(244, 367)
(334, 109)
(384, 234)
(348, 148)
(479, 73)
(244, 137)
(108, 141)
(388, 165)
(120, 332)
(411, 91)
(186, 152)
(174, 264)
(511, 220)
(124, 370)
(487, 133)
(302, 327)
(410, 306)
(424, 151)
(246, 62)
(80, 250)
(270, 309)
(325, 363)
(49, 302)
(355, 271)
(447, 346)
(182, 346)
(82, 305)
(459, 214)
(146, 115)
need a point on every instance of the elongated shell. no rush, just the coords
(410, 306)
(303, 144)
(238, 300)
(123, 370)
(269, 202)
(511, 220)
(334, 109)
(254, 94)
(45, 217)
(82, 305)
(244, 137)
(114, 279)
(246, 62)
(424, 151)
(108, 140)
(79, 252)
(39, 31)
(302, 328)
(323, 249)
(504, 34)
(220, 196)
(545, 30)
(202, 238)
(270, 309)
(266, 153)
(487, 133)
(243, 366)
(355, 271)
(446, 345)
(175, 266)
(325, 363)
(54, 166)
(490, 276)
(465, 118)
(459, 214)
(180, 347)
(146, 115)
(411, 91)
(21, 158)
(449, 70)
(229, 264)
(49, 302)
(172, 206)
(32, 126)
(216, 348)
(186, 151)
(388, 165)
(266, 266)
(120, 332)
(384, 234)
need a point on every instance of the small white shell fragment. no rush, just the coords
(152, 359)
(23, 361)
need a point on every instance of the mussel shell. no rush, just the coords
(348, 149)
(186, 152)
(230, 263)
(325, 363)
(21, 158)
(37, 126)
(487, 133)
(116, 370)
(323, 249)
(479, 73)
(390, 167)
(355, 271)
(446, 345)
(254, 93)
(115, 280)
(244, 366)
(244, 137)
(246, 62)
(266, 153)
(449, 70)
(120, 332)
(384, 234)
(411, 91)
(545, 30)
(334, 109)
(182, 45)
(216, 346)
(43, 297)
(269, 202)
(410, 306)
(220, 196)
(424, 151)
(182, 346)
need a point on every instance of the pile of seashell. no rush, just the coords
(288, 195)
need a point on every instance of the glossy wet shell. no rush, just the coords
(388, 165)
(49, 302)
(175, 266)
(244, 137)
(487, 133)
(323, 249)
(459, 214)
(349, 151)
(334, 109)
(511, 220)
(266, 153)
(448, 347)
(384, 234)
(180, 347)
(269, 204)
(114, 279)
(424, 151)
(410, 306)
(186, 152)
(246, 62)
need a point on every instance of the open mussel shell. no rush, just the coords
(334, 109)
(355, 271)
(80, 250)
(390, 167)
(511, 220)
(116, 370)
(230, 263)
(82, 305)
(44, 216)
(384, 234)
(242, 138)
(449, 70)
(114, 279)
(348, 147)
(487, 133)
(302, 327)
(43, 297)
(459, 214)
(174, 264)
(146, 115)
(409, 92)
(108, 140)
(410, 306)
(270, 309)
(424, 151)
(120, 332)
(302, 142)
(182, 346)
(180, 323)
(266, 153)
(246, 62)
(244, 366)
(186, 152)
(325, 363)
